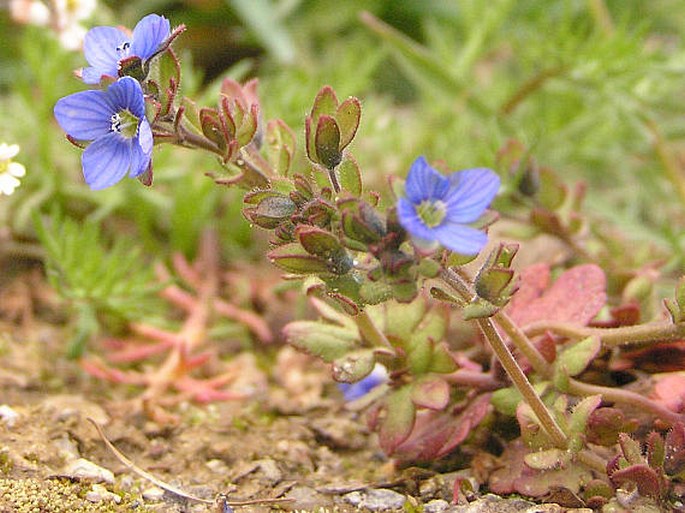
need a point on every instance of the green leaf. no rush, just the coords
(581, 413)
(350, 176)
(318, 241)
(293, 258)
(325, 103)
(354, 366)
(327, 341)
(546, 460)
(280, 146)
(327, 142)
(575, 358)
(348, 115)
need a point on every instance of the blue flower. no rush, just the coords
(353, 391)
(106, 47)
(439, 208)
(114, 120)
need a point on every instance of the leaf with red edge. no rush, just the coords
(647, 480)
(575, 297)
(437, 433)
(514, 476)
(674, 461)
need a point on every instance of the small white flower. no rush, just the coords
(10, 172)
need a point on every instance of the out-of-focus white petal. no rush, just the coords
(30, 11)
(16, 169)
(7, 151)
(8, 183)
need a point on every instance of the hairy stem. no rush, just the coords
(620, 395)
(523, 343)
(612, 337)
(520, 381)
(509, 363)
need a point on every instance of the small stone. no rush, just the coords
(153, 494)
(99, 493)
(217, 466)
(376, 500)
(436, 506)
(67, 448)
(269, 471)
(305, 498)
(89, 471)
(8, 415)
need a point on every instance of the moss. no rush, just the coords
(56, 496)
(6, 463)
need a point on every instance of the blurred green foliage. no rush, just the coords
(592, 88)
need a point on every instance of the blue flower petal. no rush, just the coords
(86, 115)
(424, 182)
(460, 238)
(149, 34)
(471, 192)
(106, 160)
(100, 49)
(141, 150)
(410, 221)
(126, 93)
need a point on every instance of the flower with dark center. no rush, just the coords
(106, 47)
(114, 120)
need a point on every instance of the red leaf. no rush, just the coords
(575, 297)
(670, 392)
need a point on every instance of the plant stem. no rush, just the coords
(612, 337)
(523, 343)
(509, 363)
(520, 381)
(620, 395)
(334, 180)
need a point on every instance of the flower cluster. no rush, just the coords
(112, 122)
(10, 172)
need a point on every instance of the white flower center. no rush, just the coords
(432, 212)
(125, 123)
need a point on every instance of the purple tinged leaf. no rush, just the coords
(437, 433)
(400, 415)
(647, 480)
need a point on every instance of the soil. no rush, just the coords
(291, 437)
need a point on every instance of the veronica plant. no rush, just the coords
(387, 280)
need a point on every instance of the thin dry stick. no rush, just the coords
(167, 487)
